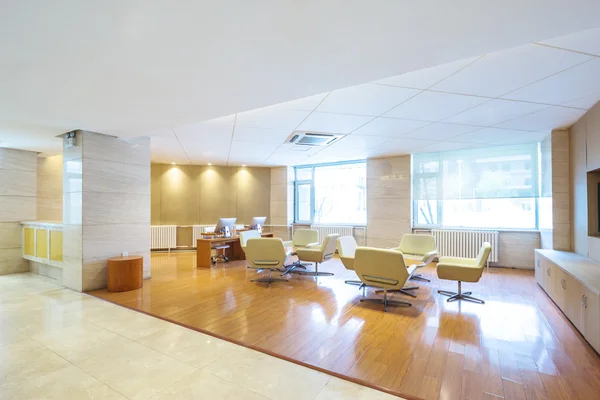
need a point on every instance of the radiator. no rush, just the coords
(325, 230)
(163, 237)
(197, 232)
(465, 242)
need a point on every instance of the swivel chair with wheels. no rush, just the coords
(382, 269)
(463, 270)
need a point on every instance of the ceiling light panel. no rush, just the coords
(365, 99)
(507, 70)
(433, 106)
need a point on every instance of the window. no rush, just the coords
(331, 194)
(480, 188)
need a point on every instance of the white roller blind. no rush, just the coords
(496, 172)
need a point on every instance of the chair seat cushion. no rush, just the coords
(310, 255)
(459, 272)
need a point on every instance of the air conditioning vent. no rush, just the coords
(312, 139)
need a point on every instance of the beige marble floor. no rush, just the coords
(60, 344)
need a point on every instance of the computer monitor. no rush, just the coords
(256, 221)
(224, 223)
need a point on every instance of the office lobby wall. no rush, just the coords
(49, 188)
(194, 194)
(584, 157)
(18, 182)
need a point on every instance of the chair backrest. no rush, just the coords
(380, 267)
(346, 247)
(245, 235)
(484, 254)
(417, 244)
(328, 246)
(265, 252)
(302, 237)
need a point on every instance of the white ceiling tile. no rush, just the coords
(167, 150)
(492, 135)
(425, 78)
(525, 137)
(507, 70)
(390, 127)
(434, 106)
(305, 104)
(585, 41)
(272, 117)
(585, 102)
(545, 120)
(333, 123)
(367, 99)
(260, 135)
(441, 131)
(293, 148)
(361, 142)
(203, 131)
(287, 158)
(400, 146)
(494, 112)
(577, 82)
(239, 149)
(450, 146)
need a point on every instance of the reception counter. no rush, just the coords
(204, 249)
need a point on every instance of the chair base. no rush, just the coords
(268, 280)
(357, 283)
(455, 296)
(291, 267)
(385, 300)
(419, 277)
(316, 272)
(404, 290)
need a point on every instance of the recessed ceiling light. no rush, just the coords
(209, 163)
(173, 163)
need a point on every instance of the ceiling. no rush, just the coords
(139, 68)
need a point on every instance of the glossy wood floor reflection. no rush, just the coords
(516, 346)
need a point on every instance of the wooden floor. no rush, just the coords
(516, 346)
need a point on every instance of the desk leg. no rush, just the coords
(203, 254)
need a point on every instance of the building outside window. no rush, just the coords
(331, 194)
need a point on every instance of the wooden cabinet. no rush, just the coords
(539, 271)
(590, 318)
(573, 283)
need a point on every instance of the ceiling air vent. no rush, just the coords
(312, 139)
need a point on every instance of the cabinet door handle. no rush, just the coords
(584, 301)
(562, 283)
(538, 263)
(548, 271)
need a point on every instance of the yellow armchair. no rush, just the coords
(463, 270)
(318, 254)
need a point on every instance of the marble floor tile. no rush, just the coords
(69, 383)
(269, 376)
(10, 335)
(27, 360)
(191, 347)
(135, 371)
(203, 385)
(339, 389)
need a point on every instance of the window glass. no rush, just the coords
(303, 174)
(303, 202)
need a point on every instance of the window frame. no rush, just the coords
(312, 190)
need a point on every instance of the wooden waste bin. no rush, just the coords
(124, 273)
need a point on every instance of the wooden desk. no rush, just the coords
(234, 252)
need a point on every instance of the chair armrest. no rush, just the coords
(459, 265)
(395, 248)
(411, 269)
(456, 261)
(313, 245)
(428, 257)
(288, 243)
